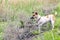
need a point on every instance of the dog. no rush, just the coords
(40, 20)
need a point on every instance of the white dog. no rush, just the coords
(43, 19)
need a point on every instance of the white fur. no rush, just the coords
(44, 19)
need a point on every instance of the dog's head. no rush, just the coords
(35, 15)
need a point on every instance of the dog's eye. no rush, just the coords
(33, 15)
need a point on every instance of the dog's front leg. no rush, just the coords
(39, 27)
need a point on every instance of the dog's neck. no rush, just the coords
(38, 17)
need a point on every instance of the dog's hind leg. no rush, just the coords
(52, 24)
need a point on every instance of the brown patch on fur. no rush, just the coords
(47, 16)
(54, 18)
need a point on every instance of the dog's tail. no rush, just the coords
(55, 13)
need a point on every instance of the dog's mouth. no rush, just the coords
(32, 18)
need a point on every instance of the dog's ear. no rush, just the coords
(36, 13)
(32, 12)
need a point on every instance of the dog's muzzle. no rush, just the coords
(32, 18)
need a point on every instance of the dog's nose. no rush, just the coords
(32, 18)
